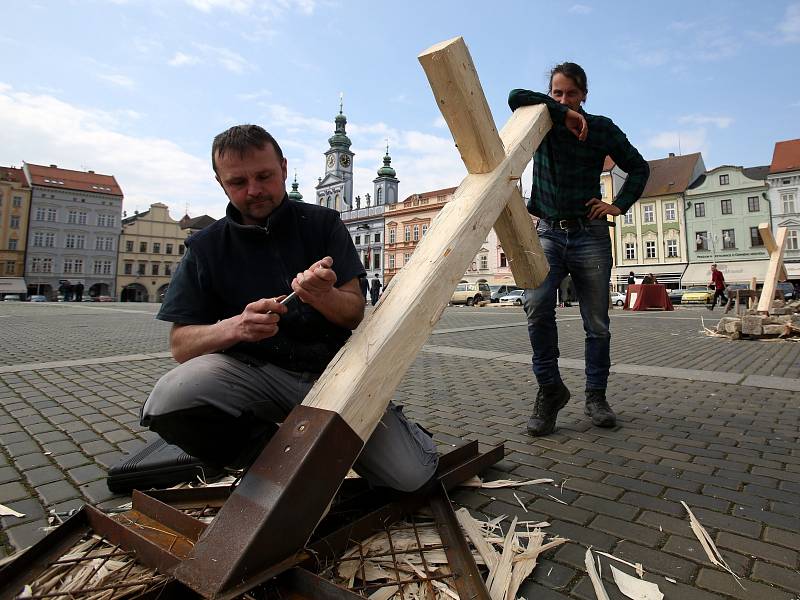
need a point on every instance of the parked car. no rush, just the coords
(471, 293)
(618, 298)
(787, 289)
(676, 295)
(499, 291)
(697, 294)
(514, 297)
(12, 298)
(38, 298)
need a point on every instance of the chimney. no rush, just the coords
(90, 171)
(53, 166)
(672, 155)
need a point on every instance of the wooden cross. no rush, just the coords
(776, 271)
(282, 497)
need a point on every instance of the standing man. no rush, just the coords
(573, 229)
(246, 359)
(375, 290)
(718, 283)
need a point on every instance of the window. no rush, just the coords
(73, 265)
(728, 239)
(80, 241)
(154, 268)
(699, 209)
(726, 207)
(503, 260)
(392, 235)
(752, 204)
(391, 261)
(630, 251)
(12, 244)
(377, 238)
(424, 229)
(701, 240)
(416, 233)
(627, 219)
(106, 267)
(156, 248)
(16, 202)
(52, 214)
(376, 260)
(366, 238)
(792, 241)
(650, 249)
(10, 267)
(82, 218)
(167, 269)
(786, 181)
(672, 248)
(357, 240)
(79, 265)
(406, 257)
(70, 243)
(72, 217)
(180, 249)
(724, 179)
(379, 195)
(128, 268)
(484, 262)
(97, 267)
(669, 211)
(101, 220)
(14, 222)
(142, 246)
(141, 268)
(788, 202)
(755, 237)
(128, 245)
(649, 213)
(42, 265)
(169, 248)
(408, 233)
(40, 214)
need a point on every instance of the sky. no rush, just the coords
(138, 88)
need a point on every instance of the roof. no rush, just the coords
(432, 194)
(14, 175)
(200, 222)
(759, 173)
(786, 157)
(608, 164)
(670, 175)
(85, 181)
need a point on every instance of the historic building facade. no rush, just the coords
(335, 188)
(784, 198)
(73, 232)
(15, 200)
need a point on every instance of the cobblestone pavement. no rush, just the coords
(704, 420)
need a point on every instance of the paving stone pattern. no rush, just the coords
(729, 451)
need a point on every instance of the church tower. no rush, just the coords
(385, 185)
(295, 193)
(335, 189)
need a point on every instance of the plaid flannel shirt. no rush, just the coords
(566, 172)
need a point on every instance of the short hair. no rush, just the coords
(240, 139)
(575, 72)
(714, 265)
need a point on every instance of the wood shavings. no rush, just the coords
(670, 579)
(597, 583)
(9, 512)
(520, 502)
(637, 566)
(477, 482)
(500, 576)
(636, 589)
(556, 499)
(708, 544)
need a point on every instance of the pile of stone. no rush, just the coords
(783, 321)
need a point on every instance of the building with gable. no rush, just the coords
(335, 188)
(784, 197)
(15, 201)
(73, 232)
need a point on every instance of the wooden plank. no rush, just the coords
(360, 380)
(769, 244)
(771, 279)
(458, 92)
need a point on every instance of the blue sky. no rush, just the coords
(138, 88)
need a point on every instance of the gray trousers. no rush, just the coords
(219, 409)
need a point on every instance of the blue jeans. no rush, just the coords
(585, 253)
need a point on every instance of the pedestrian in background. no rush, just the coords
(375, 290)
(718, 285)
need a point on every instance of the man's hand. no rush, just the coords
(315, 282)
(599, 209)
(576, 123)
(258, 321)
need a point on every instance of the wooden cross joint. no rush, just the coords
(776, 271)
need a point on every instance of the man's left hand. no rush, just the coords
(599, 209)
(315, 282)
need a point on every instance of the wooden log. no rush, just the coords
(775, 265)
(769, 244)
(453, 78)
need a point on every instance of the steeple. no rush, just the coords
(295, 193)
(339, 139)
(386, 170)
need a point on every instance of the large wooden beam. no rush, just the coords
(771, 278)
(769, 244)
(453, 79)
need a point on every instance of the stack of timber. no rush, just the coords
(783, 322)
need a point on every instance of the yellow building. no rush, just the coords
(150, 247)
(15, 203)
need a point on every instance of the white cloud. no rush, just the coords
(228, 59)
(42, 129)
(118, 80)
(255, 96)
(439, 122)
(721, 122)
(789, 27)
(580, 9)
(237, 6)
(269, 7)
(681, 142)
(180, 59)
